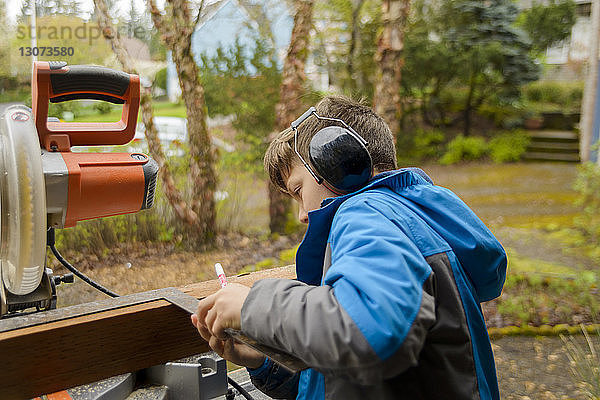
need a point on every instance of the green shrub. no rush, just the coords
(463, 148)
(428, 143)
(508, 146)
(505, 116)
(59, 109)
(567, 95)
(19, 94)
(103, 107)
(544, 299)
(160, 79)
(99, 236)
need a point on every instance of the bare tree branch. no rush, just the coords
(178, 28)
(155, 149)
(199, 14)
(159, 21)
(290, 99)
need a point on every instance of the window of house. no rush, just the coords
(584, 9)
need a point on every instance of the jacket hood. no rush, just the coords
(478, 251)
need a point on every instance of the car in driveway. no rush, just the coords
(173, 136)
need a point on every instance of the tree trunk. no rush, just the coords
(176, 30)
(290, 104)
(469, 106)
(175, 198)
(388, 57)
(331, 75)
(354, 37)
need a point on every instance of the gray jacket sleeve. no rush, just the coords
(308, 321)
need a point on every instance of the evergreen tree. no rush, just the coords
(471, 45)
(493, 54)
(137, 25)
(248, 78)
(346, 41)
(548, 24)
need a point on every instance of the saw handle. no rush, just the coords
(89, 82)
(55, 82)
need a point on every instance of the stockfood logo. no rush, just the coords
(60, 35)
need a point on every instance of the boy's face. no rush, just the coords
(306, 191)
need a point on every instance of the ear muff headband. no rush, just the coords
(338, 154)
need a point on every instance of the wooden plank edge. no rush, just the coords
(58, 355)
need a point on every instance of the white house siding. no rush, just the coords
(228, 21)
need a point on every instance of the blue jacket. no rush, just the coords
(390, 279)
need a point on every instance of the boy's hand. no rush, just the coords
(223, 310)
(237, 353)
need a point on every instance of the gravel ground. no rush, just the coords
(506, 197)
(537, 368)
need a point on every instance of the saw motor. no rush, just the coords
(44, 185)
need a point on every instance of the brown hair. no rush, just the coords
(280, 156)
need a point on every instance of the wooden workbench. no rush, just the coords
(58, 355)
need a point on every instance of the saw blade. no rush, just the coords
(27, 227)
(23, 214)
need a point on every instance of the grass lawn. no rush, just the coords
(163, 109)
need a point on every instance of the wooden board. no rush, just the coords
(47, 358)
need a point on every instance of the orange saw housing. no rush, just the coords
(96, 184)
(104, 184)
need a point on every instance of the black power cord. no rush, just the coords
(51, 239)
(239, 388)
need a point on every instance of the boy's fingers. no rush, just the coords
(203, 306)
(217, 345)
(218, 330)
(228, 345)
(194, 319)
(204, 332)
(210, 319)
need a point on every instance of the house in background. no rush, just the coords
(225, 21)
(568, 60)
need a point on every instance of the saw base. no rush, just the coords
(42, 298)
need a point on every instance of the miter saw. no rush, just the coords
(44, 185)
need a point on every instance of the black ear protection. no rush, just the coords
(338, 154)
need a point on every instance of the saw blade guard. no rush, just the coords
(22, 202)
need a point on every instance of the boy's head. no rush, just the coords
(282, 163)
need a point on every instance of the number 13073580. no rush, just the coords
(47, 51)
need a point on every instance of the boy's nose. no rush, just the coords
(302, 216)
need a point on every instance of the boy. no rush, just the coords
(390, 275)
